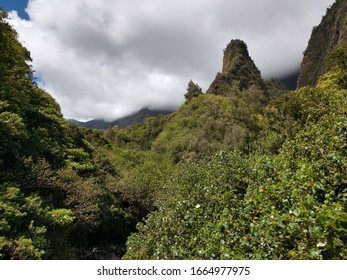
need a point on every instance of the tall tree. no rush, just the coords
(193, 90)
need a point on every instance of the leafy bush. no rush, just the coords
(25, 222)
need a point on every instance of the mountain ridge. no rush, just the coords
(124, 122)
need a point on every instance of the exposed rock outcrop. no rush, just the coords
(238, 73)
(329, 34)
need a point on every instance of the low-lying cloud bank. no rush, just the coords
(106, 59)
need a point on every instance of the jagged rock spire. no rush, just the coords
(238, 71)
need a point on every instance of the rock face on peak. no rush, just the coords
(329, 34)
(238, 73)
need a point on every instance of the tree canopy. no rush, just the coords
(193, 90)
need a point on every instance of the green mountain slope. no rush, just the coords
(287, 199)
(224, 118)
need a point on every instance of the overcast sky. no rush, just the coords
(110, 58)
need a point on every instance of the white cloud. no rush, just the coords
(109, 58)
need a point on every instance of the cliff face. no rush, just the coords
(329, 34)
(238, 73)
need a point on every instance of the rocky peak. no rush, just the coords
(235, 54)
(238, 71)
(329, 34)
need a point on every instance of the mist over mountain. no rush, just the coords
(124, 122)
(290, 81)
(128, 55)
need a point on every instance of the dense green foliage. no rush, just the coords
(249, 172)
(193, 90)
(287, 199)
(57, 183)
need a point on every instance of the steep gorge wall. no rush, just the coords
(329, 34)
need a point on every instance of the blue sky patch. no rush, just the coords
(15, 5)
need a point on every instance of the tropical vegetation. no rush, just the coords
(249, 172)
